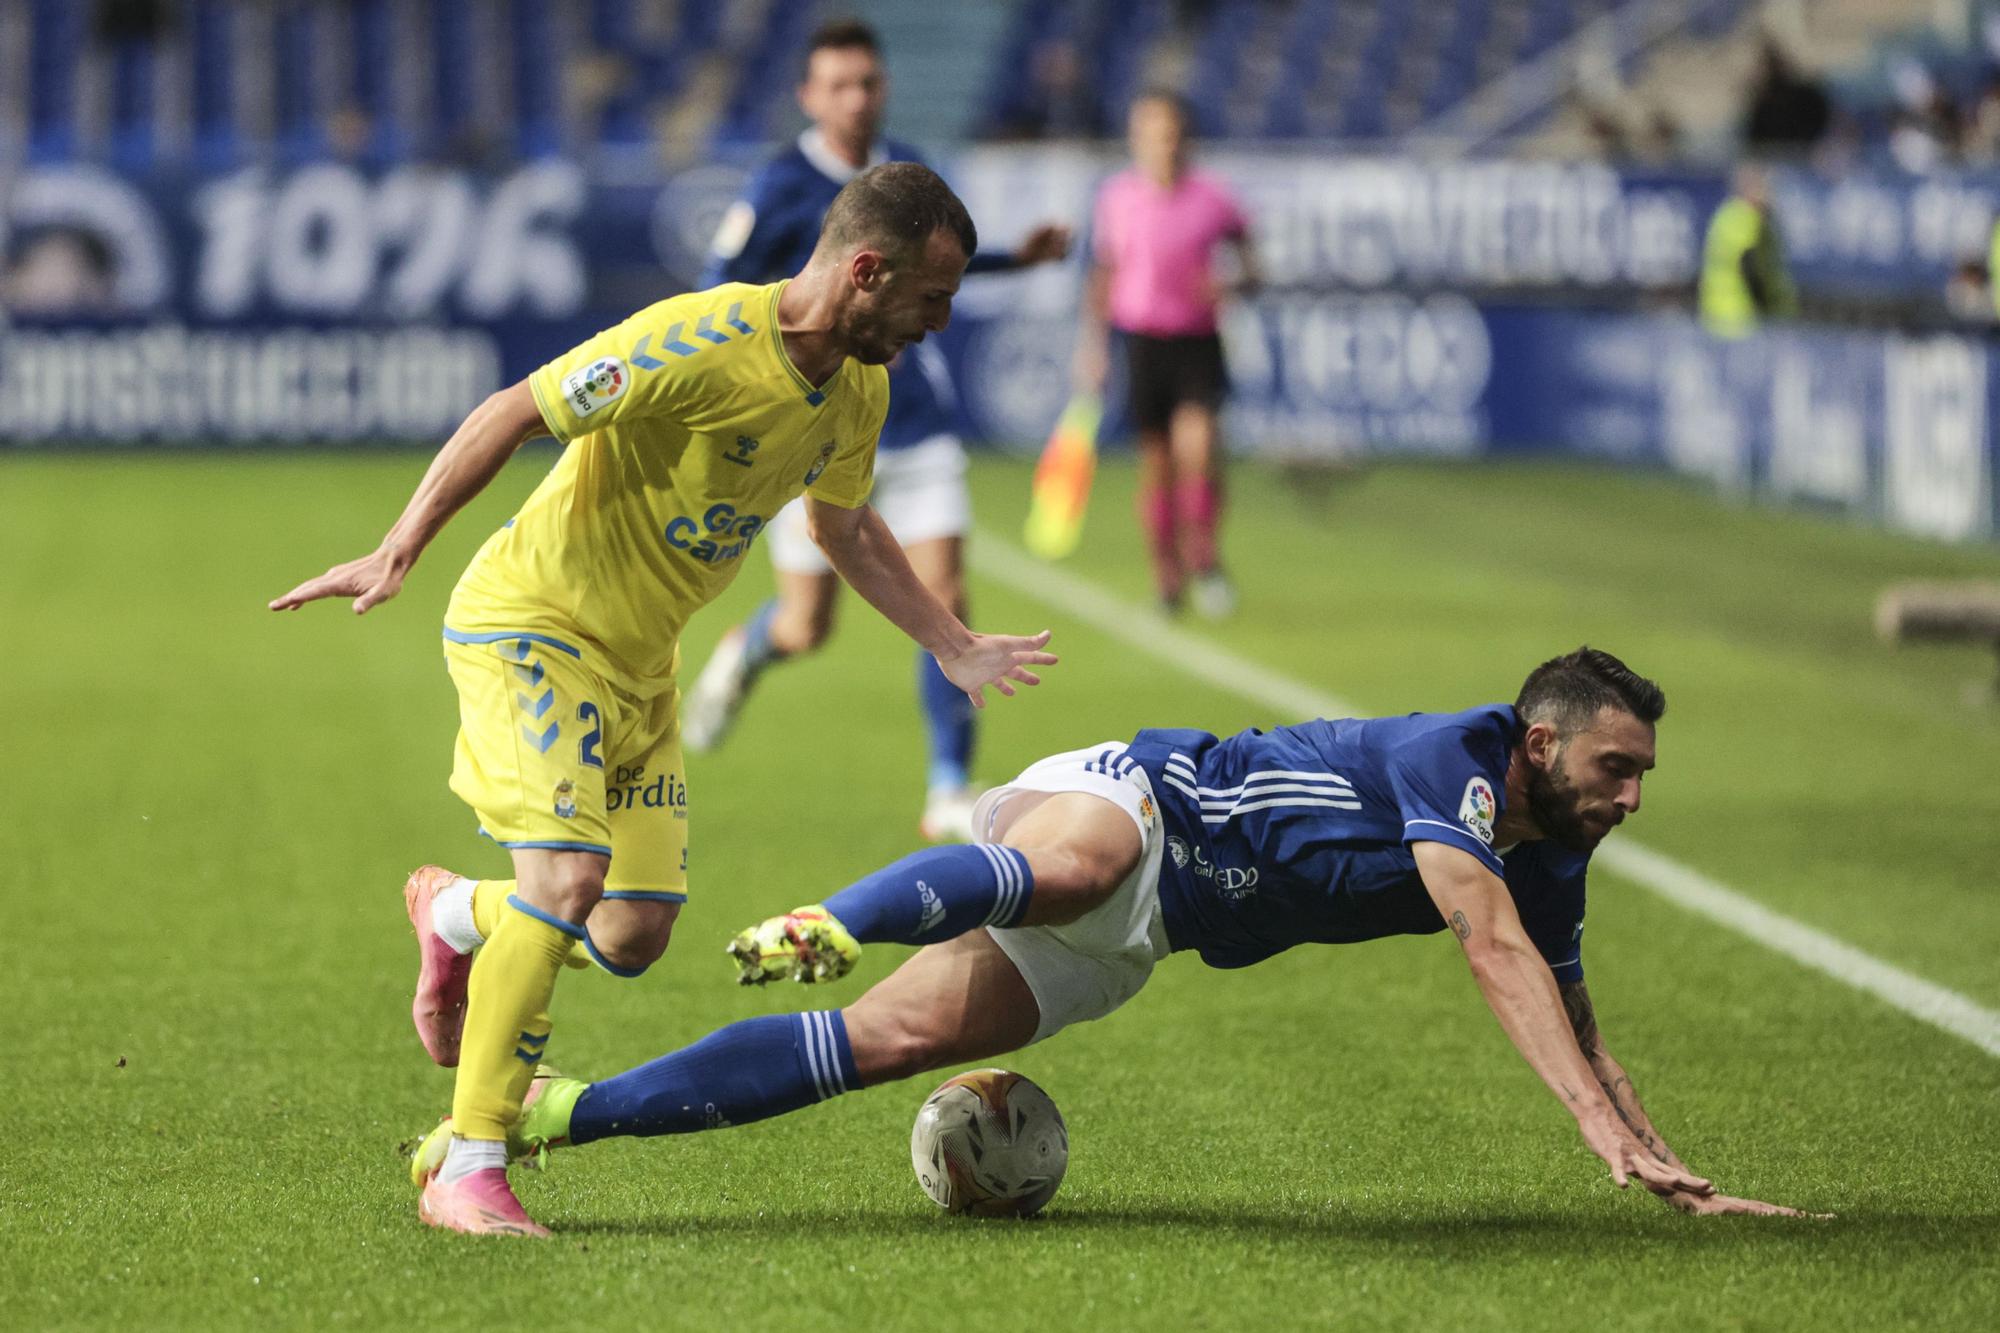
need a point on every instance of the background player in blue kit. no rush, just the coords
(1098, 863)
(920, 486)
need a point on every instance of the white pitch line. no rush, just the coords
(1153, 634)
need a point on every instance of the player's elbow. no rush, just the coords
(513, 413)
(1494, 955)
(831, 528)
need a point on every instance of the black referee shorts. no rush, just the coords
(1166, 372)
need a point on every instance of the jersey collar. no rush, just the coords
(830, 164)
(813, 396)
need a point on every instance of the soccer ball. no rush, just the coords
(991, 1143)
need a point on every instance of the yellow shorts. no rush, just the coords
(552, 755)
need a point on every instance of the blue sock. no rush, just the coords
(758, 650)
(948, 722)
(936, 894)
(748, 1071)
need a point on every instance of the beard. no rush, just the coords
(875, 347)
(1557, 807)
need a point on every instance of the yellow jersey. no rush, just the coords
(687, 428)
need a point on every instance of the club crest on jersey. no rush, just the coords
(1477, 808)
(565, 799)
(1179, 851)
(599, 385)
(819, 464)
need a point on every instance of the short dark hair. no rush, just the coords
(895, 207)
(844, 34)
(1571, 690)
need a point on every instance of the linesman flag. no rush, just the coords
(1062, 480)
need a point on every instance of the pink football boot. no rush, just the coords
(482, 1204)
(442, 971)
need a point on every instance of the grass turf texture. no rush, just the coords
(210, 810)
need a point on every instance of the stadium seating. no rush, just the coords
(1284, 69)
(143, 83)
(216, 83)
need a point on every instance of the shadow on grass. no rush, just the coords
(1879, 1233)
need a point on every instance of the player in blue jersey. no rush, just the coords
(1096, 864)
(920, 465)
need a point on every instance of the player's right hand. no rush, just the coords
(996, 659)
(1608, 1137)
(370, 581)
(1724, 1205)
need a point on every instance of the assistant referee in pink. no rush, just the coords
(1156, 229)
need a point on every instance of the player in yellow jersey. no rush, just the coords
(688, 427)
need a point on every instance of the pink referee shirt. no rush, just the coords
(1160, 247)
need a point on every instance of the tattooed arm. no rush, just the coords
(1624, 1097)
(1610, 1074)
(1521, 991)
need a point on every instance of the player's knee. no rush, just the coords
(570, 887)
(628, 953)
(1081, 872)
(625, 936)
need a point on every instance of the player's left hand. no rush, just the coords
(1725, 1205)
(996, 660)
(1048, 242)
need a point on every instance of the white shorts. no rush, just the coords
(1087, 968)
(919, 492)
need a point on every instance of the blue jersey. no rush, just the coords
(1302, 834)
(769, 234)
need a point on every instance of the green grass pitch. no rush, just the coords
(208, 812)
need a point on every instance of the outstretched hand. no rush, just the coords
(1044, 244)
(370, 581)
(996, 660)
(1608, 1137)
(1724, 1205)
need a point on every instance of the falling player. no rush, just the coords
(1098, 863)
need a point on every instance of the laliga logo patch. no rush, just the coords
(1146, 810)
(602, 384)
(565, 799)
(819, 464)
(1477, 808)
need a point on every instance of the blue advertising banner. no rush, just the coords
(328, 305)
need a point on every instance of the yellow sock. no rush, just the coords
(506, 1022)
(489, 898)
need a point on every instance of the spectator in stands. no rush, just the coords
(1156, 230)
(1968, 295)
(1744, 280)
(1662, 140)
(1981, 146)
(1061, 99)
(1928, 134)
(1789, 111)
